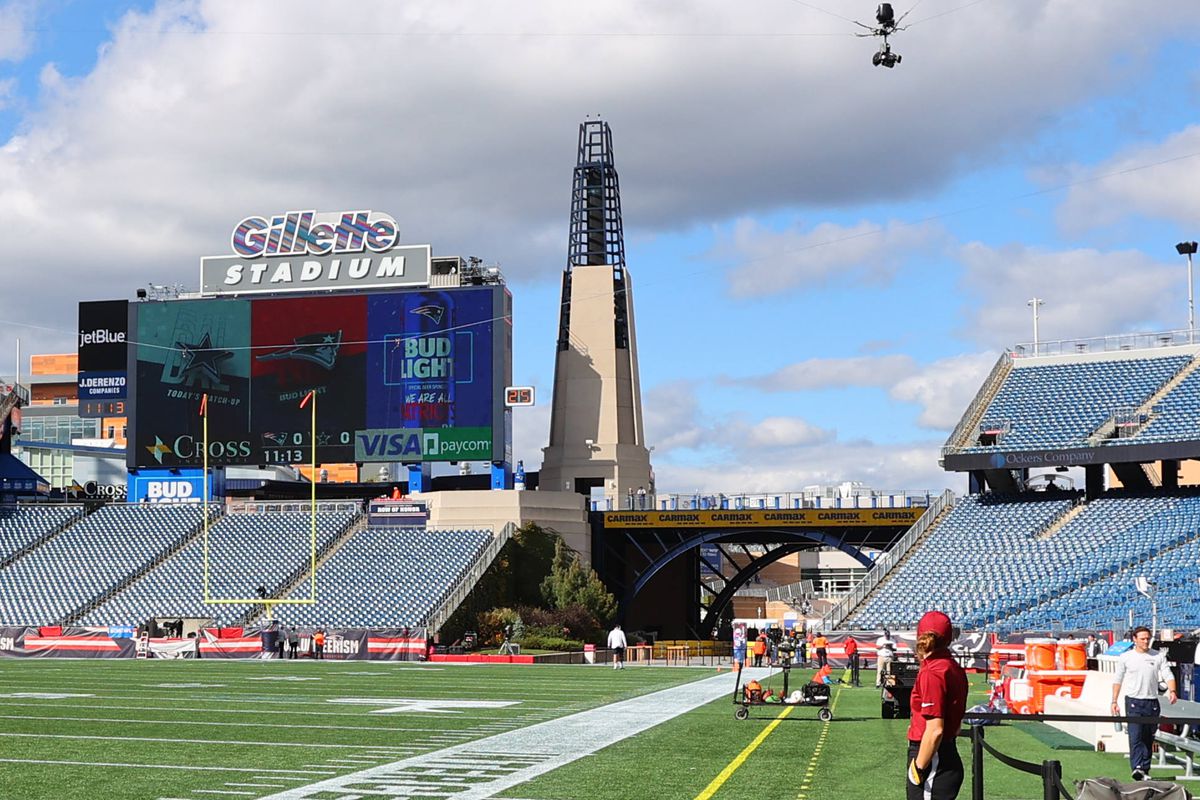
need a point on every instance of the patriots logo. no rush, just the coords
(277, 439)
(319, 348)
(435, 313)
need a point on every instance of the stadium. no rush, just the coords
(272, 583)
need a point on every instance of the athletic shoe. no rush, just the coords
(1138, 775)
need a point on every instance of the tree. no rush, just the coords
(569, 584)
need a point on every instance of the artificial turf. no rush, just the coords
(201, 729)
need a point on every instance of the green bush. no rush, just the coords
(534, 641)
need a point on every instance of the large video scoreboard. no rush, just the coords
(400, 375)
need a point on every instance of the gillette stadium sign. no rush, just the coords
(307, 251)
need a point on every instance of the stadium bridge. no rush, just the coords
(655, 561)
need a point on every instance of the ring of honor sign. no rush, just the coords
(403, 373)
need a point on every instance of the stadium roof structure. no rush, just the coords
(1118, 400)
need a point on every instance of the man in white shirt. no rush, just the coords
(616, 643)
(1139, 673)
(885, 651)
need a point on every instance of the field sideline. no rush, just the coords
(189, 730)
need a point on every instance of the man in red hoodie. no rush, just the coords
(851, 648)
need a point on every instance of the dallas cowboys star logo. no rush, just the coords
(202, 363)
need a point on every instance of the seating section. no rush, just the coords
(89, 558)
(22, 526)
(246, 552)
(990, 563)
(1176, 417)
(392, 577)
(1061, 405)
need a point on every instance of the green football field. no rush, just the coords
(343, 730)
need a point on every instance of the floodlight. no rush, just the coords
(1186, 248)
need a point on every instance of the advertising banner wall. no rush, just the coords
(403, 376)
(63, 643)
(168, 486)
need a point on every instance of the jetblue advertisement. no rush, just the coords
(103, 348)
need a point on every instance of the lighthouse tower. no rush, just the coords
(597, 442)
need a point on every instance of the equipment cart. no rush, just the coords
(752, 694)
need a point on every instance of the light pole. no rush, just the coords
(1189, 249)
(1035, 303)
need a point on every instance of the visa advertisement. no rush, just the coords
(406, 376)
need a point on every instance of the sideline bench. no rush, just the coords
(1180, 747)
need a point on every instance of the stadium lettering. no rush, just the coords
(731, 517)
(296, 233)
(427, 357)
(465, 446)
(186, 447)
(102, 336)
(397, 444)
(8, 643)
(784, 516)
(838, 516)
(169, 491)
(340, 645)
(666, 517)
(94, 489)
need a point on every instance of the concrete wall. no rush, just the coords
(563, 512)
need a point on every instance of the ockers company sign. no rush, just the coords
(305, 251)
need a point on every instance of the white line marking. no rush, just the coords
(500, 762)
(179, 741)
(224, 791)
(177, 767)
(127, 720)
(258, 785)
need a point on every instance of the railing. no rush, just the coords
(975, 410)
(1102, 344)
(885, 563)
(800, 590)
(463, 587)
(291, 507)
(752, 501)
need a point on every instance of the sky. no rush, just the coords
(827, 257)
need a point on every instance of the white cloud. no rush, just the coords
(908, 466)
(785, 432)
(460, 118)
(768, 261)
(16, 35)
(833, 373)
(1086, 293)
(1170, 190)
(945, 388)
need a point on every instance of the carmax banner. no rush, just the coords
(804, 518)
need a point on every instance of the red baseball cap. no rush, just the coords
(938, 623)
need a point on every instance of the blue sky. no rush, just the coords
(827, 257)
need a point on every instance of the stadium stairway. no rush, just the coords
(454, 599)
(79, 613)
(965, 432)
(1146, 411)
(302, 574)
(41, 540)
(888, 563)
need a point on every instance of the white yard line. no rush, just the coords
(189, 722)
(177, 767)
(482, 768)
(181, 741)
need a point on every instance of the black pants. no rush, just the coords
(821, 660)
(1141, 735)
(854, 669)
(945, 773)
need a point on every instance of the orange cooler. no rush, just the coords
(1041, 654)
(1073, 654)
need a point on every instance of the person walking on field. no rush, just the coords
(760, 649)
(851, 648)
(939, 700)
(885, 651)
(318, 640)
(617, 643)
(821, 644)
(293, 640)
(1139, 673)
